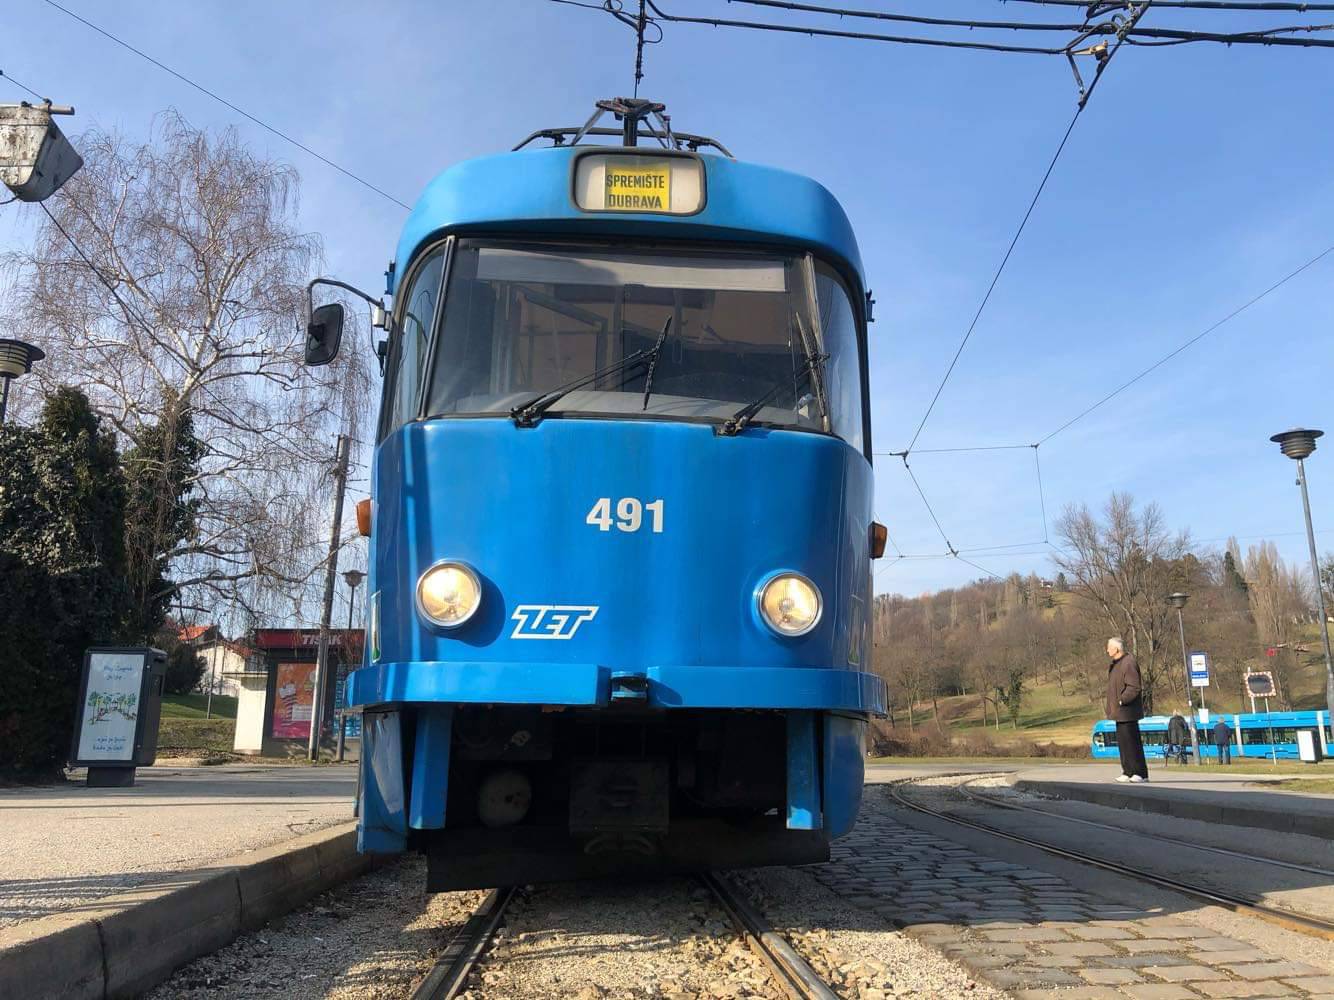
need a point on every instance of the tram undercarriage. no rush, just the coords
(551, 796)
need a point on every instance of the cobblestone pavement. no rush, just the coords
(1035, 934)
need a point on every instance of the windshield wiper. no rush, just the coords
(653, 364)
(529, 413)
(741, 419)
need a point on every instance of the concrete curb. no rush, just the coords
(123, 945)
(1186, 804)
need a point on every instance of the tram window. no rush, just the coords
(839, 325)
(520, 320)
(1261, 734)
(415, 326)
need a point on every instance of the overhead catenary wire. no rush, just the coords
(21, 86)
(812, 31)
(942, 451)
(1289, 6)
(228, 104)
(132, 311)
(927, 504)
(1123, 32)
(1193, 340)
(878, 15)
(1023, 223)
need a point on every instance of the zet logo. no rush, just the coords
(550, 621)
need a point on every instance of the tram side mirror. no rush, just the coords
(324, 333)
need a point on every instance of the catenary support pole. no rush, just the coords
(326, 614)
(1319, 591)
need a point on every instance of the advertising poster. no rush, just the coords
(293, 701)
(111, 710)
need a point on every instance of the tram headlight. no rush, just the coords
(790, 604)
(448, 594)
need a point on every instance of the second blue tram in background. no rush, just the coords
(621, 522)
(1254, 734)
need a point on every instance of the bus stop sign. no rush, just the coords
(1199, 669)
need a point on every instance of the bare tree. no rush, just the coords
(1123, 567)
(169, 282)
(1278, 601)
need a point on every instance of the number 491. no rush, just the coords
(629, 514)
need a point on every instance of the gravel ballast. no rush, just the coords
(374, 937)
(589, 940)
(853, 950)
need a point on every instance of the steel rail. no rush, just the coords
(792, 971)
(1303, 923)
(447, 978)
(992, 801)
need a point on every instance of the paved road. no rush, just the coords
(69, 844)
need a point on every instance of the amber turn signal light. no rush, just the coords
(879, 535)
(364, 517)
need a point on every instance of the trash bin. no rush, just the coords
(120, 704)
(1308, 747)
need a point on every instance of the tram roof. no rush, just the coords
(529, 191)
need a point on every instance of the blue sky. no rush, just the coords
(1198, 176)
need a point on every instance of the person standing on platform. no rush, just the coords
(1223, 741)
(1125, 707)
(1178, 736)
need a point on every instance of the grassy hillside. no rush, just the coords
(194, 706)
(1049, 715)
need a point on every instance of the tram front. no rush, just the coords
(621, 524)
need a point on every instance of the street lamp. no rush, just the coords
(16, 359)
(353, 578)
(1178, 601)
(1298, 444)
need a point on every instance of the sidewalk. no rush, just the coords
(1207, 793)
(66, 846)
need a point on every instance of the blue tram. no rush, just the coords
(621, 516)
(1259, 734)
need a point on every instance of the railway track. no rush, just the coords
(1304, 923)
(449, 977)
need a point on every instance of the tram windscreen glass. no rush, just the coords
(521, 319)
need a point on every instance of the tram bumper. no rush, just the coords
(594, 685)
(409, 712)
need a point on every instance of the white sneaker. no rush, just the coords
(1123, 777)
(1137, 778)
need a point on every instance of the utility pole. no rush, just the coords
(330, 573)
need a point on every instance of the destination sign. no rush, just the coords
(639, 188)
(635, 182)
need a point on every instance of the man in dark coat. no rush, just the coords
(1125, 707)
(1178, 735)
(1223, 741)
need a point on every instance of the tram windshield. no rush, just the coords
(521, 319)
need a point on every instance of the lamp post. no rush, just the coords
(16, 359)
(1297, 444)
(1178, 601)
(352, 578)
